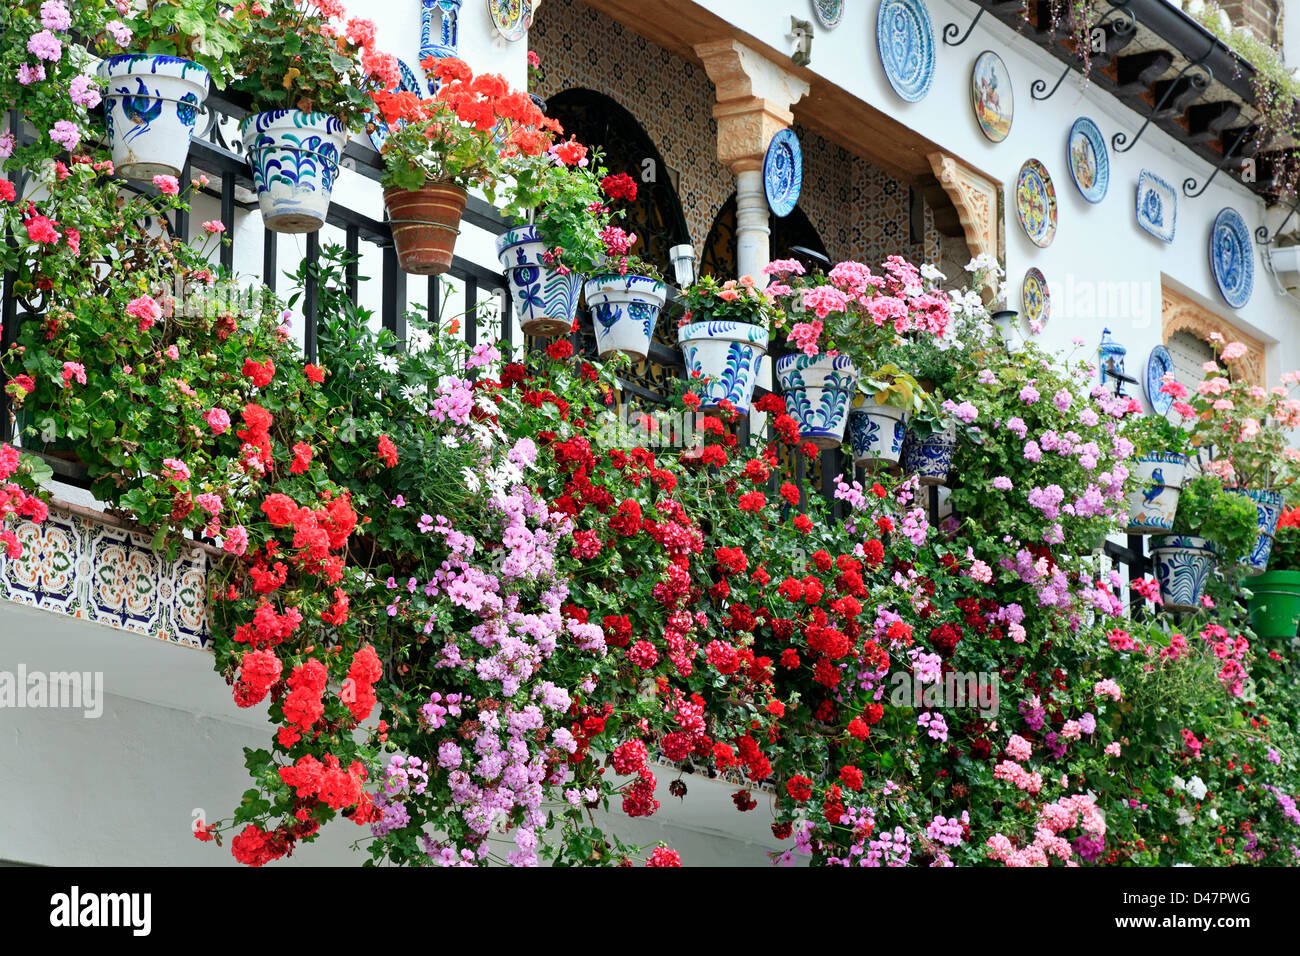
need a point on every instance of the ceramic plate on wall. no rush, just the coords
(512, 18)
(783, 172)
(991, 95)
(1159, 364)
(407, 82)
(1036, 203)
(1089, 160)
(1232, 257)
(1157, 206)
(905, 38)
(1035, 300)
(828, 12)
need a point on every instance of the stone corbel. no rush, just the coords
(754, 101)
(975, 198)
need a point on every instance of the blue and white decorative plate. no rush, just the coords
(828, 12)
(512, 18)
(1232, 257)
(1035, 299)
(1089, 160)
(783, 172)
(1159, 364)
(407, 82)
(905, 37)
(1157, 206)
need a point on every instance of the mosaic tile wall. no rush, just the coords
(97, 572)
(673, 99)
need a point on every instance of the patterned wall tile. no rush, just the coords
(87, 569)
(860, 212)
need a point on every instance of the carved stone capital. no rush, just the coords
(975, 198)
(1180, 314)
(754, 100)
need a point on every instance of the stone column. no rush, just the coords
(755, 96)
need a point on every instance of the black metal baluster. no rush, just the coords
(354, 264)
(228, 220)
(182, 216)
(270, 241)
(311, 298)
(393, 312)
(471, 312)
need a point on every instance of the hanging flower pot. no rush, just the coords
(1268, 509)
(876, 433)
(624, 310)
(295, 160)
(151, 105)
(425, 222)
(1159, 478)
(1183, 564)
(929, 458)
(818, 392)
(728, 354)
(1275, 604)
(545, 299)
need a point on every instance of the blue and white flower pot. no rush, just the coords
(1268, 510)
(1183, 565)
(624, 310)
(876, 434)
(295, 160)
(151, 106)
(1158, 481)
(728, 354)
(545, 300)
(930, 458)
(818, 392)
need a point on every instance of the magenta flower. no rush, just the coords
(55, 16)
(66, 134)
(27, 75)
(45, 46)
(83, 91)
(167, 185)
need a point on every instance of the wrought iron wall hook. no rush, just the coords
(1201, 80)
(1189, 184)
(1261, 234)
(950, 30)
(1125, 23)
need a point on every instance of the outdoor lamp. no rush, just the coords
(683, 259)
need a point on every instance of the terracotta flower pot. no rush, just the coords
(425, 224)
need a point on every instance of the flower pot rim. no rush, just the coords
(689, 331)
(106, 66)
(1277, 577)
(314, 117)
(1206, 544)
(790, 358)
(617, 278)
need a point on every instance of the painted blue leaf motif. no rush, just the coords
(187, 110)
(643, 313)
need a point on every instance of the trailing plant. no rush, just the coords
(209, 32)
(1208, 510)
(304, 55)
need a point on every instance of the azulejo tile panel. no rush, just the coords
(87, 569)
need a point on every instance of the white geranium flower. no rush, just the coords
(931, 273)
(1197, 788)
(1184, 818)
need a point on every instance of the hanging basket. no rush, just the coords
(1183, 565)
(151, 105)
(624, 310)
(426, 222)
(1268, 510)
(295, 161)
(876, 434)
(818, 392)
(728, 355)
(545, 300)
(1159, 483)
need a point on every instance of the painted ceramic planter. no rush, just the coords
(930, 458)
(425, 224)
(151, 106)
(295, 160)
(1275, 604)
(876, 434)
(1183, 565)
(624, 310)
(1159, 478)
(1268, 509)
(728, 354)
(545, 301)
(818, 392)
